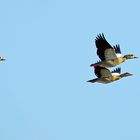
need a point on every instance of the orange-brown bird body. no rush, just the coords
(105, 76)
(109, 56)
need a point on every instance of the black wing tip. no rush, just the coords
(118, 70)
(117, 48)
(100, 36)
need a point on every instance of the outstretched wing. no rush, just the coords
(117, 71)
(104, 50)
(101, 72)
(117, 50)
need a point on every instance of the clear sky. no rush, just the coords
(49, 45)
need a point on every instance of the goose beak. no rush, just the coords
(129, 74)
(135, 57)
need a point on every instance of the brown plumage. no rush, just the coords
(109, 56)
(105, 76)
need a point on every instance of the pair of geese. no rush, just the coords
(110, 56)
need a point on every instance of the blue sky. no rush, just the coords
(49, 45)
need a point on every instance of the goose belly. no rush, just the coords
(110, 63)
(104, 80)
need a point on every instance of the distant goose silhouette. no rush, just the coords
(2, 58)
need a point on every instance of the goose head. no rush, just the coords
(130, 56)
(126, 74)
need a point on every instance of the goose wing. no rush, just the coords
(102, 72)
(104, 50)
(117, 71)
(117, 50)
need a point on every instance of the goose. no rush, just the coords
(105, 76)
(109, 56)
(2, 58)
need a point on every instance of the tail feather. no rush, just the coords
(94, 65)
(93, 80)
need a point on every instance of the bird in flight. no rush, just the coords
(106, 76)
(2, 58)
(110, 56)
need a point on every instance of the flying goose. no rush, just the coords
(105, 76)
(2, 58)
(110, 56)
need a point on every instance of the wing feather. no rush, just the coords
(110, 54)
(117, 71)
(104, 50)
(101, 72)
(117, 50)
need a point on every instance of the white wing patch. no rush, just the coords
(115, 73)
(118, 54)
